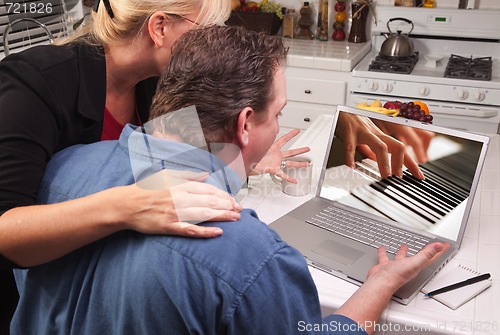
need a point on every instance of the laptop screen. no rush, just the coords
(439, 204)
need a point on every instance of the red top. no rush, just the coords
(111, 128)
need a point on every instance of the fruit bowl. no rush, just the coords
(415, 110)
(256, 21)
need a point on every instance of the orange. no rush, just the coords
(423, 106)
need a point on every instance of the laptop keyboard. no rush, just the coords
(369, 232)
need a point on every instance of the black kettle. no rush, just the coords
(398, 45)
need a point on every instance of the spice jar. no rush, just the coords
(322, 32)
(289, 23)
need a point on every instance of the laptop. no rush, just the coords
(354, 211)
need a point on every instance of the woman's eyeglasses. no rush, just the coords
(183, 17)
(107, 5)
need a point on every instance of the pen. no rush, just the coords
(459, 284)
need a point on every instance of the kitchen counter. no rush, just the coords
(328, 55)
(480, 246)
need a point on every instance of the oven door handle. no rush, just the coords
(435, 107)
(462, 111)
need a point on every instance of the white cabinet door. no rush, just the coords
(316, 86)
(328, 92)
(310, 93)
(301, 115)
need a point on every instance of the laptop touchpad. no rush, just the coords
(338, 252)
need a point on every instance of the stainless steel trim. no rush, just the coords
(9, 27)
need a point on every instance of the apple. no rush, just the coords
(393, 104)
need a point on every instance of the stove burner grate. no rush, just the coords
(469, 68)
(391, 64)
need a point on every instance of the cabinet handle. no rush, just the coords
(306, 119)
(307, 91)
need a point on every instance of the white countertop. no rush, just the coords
(480, 249)
(325, 55)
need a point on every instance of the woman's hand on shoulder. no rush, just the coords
(173, 202)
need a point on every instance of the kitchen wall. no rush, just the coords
(481, 4)
(314, 5)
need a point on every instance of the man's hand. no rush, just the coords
(402, 269)
(366, 305)
(271, 162)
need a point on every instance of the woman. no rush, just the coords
(82, 91)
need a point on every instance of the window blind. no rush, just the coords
(56, 15)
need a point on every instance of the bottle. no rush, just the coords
(339, 23)
(305, 22)
(398, 2)
(322, 32)
(289, 23)
(359, 10)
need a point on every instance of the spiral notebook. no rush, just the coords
(456, 298)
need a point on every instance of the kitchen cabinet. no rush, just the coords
(310, 93)
(317, 76)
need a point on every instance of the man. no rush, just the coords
(248, 281)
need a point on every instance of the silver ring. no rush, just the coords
(283, 164)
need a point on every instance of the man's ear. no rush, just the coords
(245, 126)
(157, 27)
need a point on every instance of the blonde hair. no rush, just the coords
(130, 17)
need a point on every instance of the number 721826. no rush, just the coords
(30, 7)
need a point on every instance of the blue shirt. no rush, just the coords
(248, 281)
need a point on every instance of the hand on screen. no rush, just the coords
(362, 135)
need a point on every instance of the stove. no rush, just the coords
(455, 69)
(383, 63)
(469, 68)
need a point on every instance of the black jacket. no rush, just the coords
(51, 97)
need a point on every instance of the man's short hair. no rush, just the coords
(220, 70)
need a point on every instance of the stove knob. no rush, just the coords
(463, 94)
(424, 91)
(387, 87)
(479, 96)
(372, 85)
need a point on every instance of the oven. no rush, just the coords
(455, 68)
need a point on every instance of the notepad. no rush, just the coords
(456, 298)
